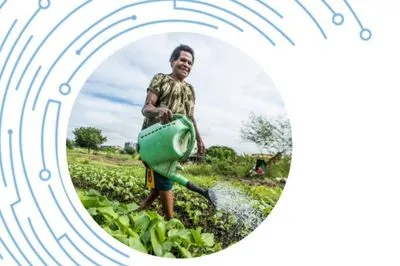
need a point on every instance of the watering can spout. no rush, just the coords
(204, 192)
(181, 180)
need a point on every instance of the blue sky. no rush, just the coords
(228, 84)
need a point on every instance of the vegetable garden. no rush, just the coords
(112, 186)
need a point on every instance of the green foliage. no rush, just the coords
(88, 137)
(281, 168)
(273, 135)
(220, 153)
(199, 169)
(130, 150)
(110, 149)
(147, 231)
(122, 184)
(70, 144)
(235, 167)
(198, 228)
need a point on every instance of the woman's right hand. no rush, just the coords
(164, 115)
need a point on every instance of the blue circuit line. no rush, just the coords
(59, 172)
(79, 36)
(65, 191)
(354, 13)
(18, 196)
(132, 28)
(118, 251)
(40, 242)
(12, 255)
(77, 232)
(122, 8)
(79, 251)
(12, 238)
(45, 39)
(1, 74)
(15, 43)
(2, 4)
(103, 30)
(24, 234)
(312, 17)
(23, 164)
(7, 34)
(266, 20)
(42, 135)
(17, 62)
(59, 242)
(270, 8)
(210, 15)
(233, 14)
(328, 6)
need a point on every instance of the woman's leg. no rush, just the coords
(167, 202)
(149, 200)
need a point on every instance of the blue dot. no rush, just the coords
(44, 4)
(365, 34)
(10, 131)
(45, 174)
(133, 17)
(65, 89)
(78, 52)
(338, 19)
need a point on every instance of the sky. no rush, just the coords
(228, 85)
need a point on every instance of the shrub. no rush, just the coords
(130, 150)
(70, 144)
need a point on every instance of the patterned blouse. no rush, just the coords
(175, 95)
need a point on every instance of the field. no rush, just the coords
(111, 186)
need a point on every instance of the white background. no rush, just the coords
(340, 205)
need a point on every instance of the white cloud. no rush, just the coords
(229, 85)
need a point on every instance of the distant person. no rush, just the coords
(169, 94)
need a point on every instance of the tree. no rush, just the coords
(88, 137)
(272, 135)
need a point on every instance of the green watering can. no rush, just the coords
(163, 146)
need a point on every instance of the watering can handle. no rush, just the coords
(188, 123)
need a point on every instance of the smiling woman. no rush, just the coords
(150, 82)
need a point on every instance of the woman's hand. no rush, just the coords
(200, 147)
(164, 115)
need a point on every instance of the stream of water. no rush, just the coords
(231, 200)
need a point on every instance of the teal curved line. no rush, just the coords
(2, 4)
(270, 8)
(9, 252)
(133, 28)
(354, 13)
(16, 42)
(46, 38)
(8, 34)
(103, 30)
(266, 20)
(79, 36)
(312, 17)
(235, 15)
(210, 15)
(328, 6)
